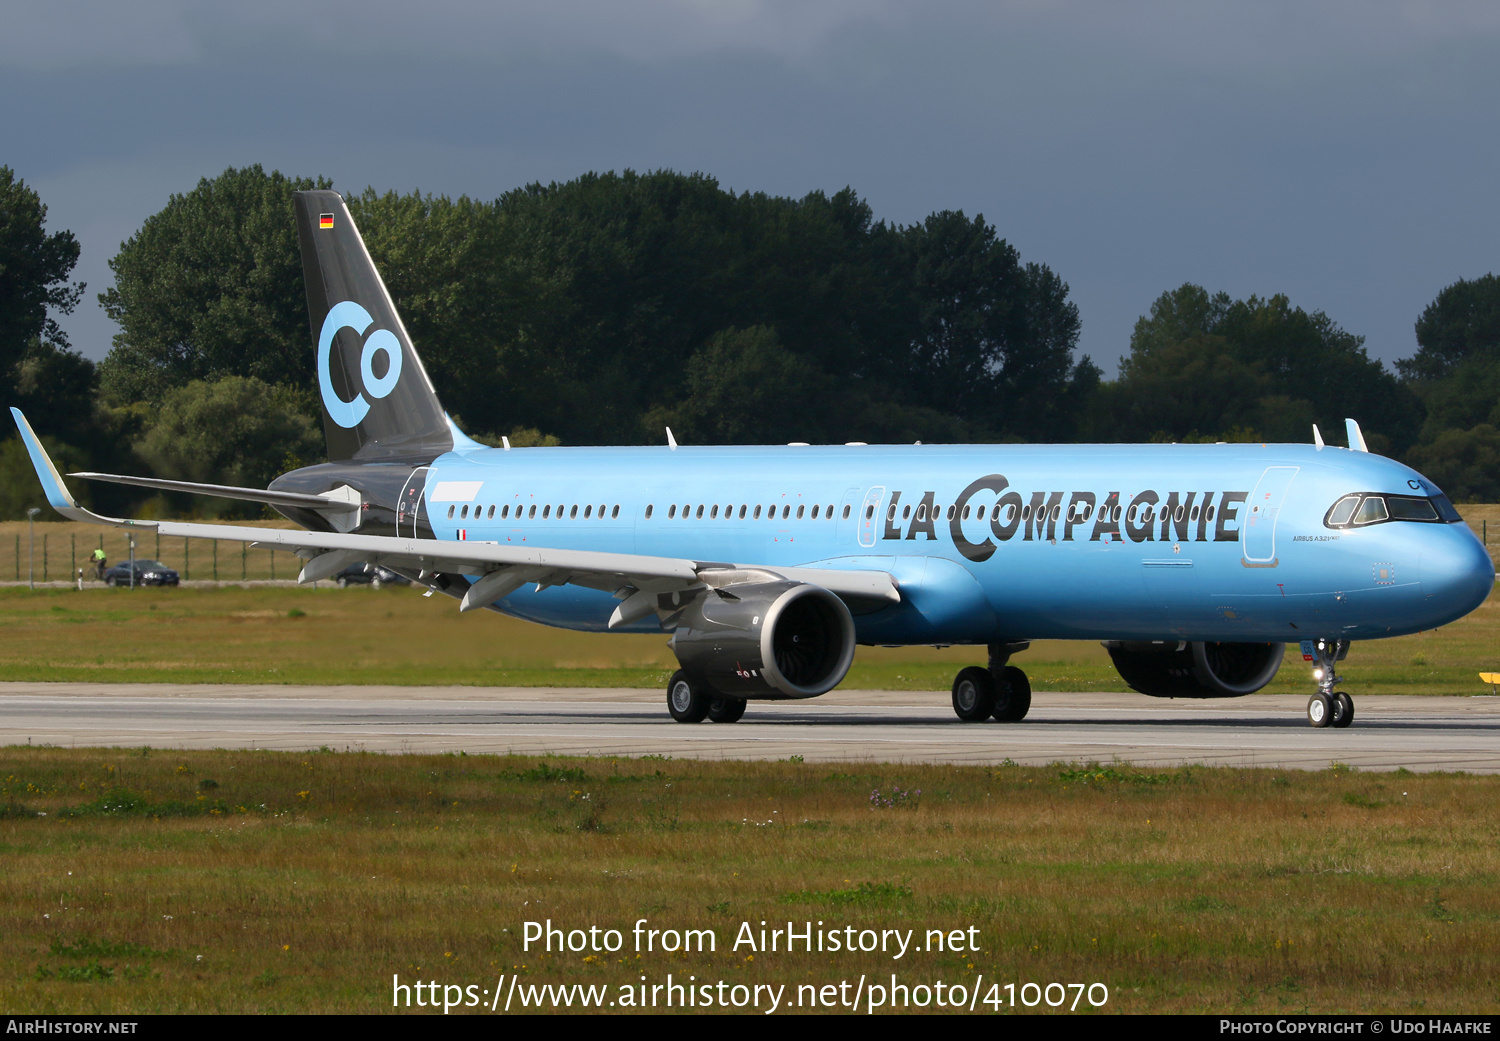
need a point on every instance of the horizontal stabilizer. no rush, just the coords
(226, 491)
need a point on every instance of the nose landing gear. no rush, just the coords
(1328, 708)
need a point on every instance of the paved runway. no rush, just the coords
(893, 726)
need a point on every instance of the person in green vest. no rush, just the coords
(99, 562)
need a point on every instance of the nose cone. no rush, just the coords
(1457, 573)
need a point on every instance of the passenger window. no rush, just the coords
(648, 510)
(1208, 513)
(492, 512)
(505, 511)
(815, 513)
(573, 513)
(1057, 512)
(699, 514)
(616, 512)
(869, 512)
(890, 514)
(1193, 516)
(966, 513)
(1371, 510)
(799, 511)
(1343, 510)
(450, 512)
(742, 512)
(588, 511)
(905, 513)
(786, 511)
(531, 513)
(713, 514)
(546, 511)
(981, 513)
(756, 514)
(846, 513)
(463, 514)
(921, 511)
(672, 512)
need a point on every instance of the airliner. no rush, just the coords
(1194, 564)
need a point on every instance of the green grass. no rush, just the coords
(397, 636)
(302, 882)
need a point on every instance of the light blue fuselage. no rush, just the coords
(1262, 567)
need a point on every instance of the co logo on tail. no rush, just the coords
(349, 315)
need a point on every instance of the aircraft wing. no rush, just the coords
(643, 584)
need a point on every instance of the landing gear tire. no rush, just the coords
(1012, 695)
(686, 700)
(974, 694)
(1320, 710)
(1343, 710)
(725, 709)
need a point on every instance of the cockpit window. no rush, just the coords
(1362, 508)
(1342, 511)
(1371, 510)
(1409, 508)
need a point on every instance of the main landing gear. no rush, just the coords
(1328, 708)
(1001, 691)
(690, 701)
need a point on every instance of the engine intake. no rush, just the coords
(767, 640)
(1176, 669)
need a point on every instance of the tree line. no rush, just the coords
(600, 310)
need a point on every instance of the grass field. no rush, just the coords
(325, 635)
(360, 635)
(271, 882)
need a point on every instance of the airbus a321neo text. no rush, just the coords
(1193, 564)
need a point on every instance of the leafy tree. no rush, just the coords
(592, 309)
(237, 430)
(1464, 463)
(1463, 323)
(52, 384)
(1456, 369)
(991, 339)
(34, 269)
(211, 286)
(1201, 365)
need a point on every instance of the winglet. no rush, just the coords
(1317, 436)
(52, 483)
(1356, 437)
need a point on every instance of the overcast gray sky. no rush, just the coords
(1343, 152)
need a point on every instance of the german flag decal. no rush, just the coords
(325, 221)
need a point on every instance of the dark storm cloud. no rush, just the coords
(1342, 153)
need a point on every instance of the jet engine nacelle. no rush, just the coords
(1178, 669)
(767, 640)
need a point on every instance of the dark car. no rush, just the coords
(371, 574)
(147, 573)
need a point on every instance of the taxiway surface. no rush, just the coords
(1418, 733)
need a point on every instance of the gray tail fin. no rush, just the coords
(377, 400)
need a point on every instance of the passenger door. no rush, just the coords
(1258, 528)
